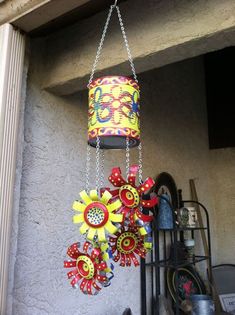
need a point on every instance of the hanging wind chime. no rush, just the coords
(112, 220)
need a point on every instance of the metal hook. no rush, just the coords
(115, 3)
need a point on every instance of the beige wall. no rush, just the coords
(222, 170)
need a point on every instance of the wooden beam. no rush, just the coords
(159, 33)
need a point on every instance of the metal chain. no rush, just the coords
(97, 163)
(98, 53)
(127, 156)
(140, 163)
(88, 166)
(97, 57)
(126, 43)
(102, 169)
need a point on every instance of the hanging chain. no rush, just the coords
(127, 44)
(102, 169)
(88, 166)
(140, 163)
(98, 53)
(97, 164)
(97, 57)
(127, 156)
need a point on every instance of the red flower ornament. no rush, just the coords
(126, 244)
(90, 268)
(130, 196)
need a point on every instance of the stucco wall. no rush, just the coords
(174, 139)
(222, 170)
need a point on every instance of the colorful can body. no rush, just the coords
(114, 112)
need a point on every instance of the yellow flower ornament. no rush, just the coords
(97, 215)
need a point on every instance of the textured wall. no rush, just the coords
(175, 140)
(222, 170)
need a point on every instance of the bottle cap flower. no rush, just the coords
(97, 215)
(130, 194)
(90, 268)
(126, 245)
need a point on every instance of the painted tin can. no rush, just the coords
(114, 112)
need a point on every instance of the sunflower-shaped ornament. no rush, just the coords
(130, 196)
(126, 245)
(90, 268)
(97, 215)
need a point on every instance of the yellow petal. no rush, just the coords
(111, 228)
(101, 235)
(78, 206)
(142, 231)
(85, 197)
(116, 217)
(91, 234)
(114, 206)
(83, 228)
(104, 246)
(106, 197)
(78, 218)
(94, 195)
(105, 256)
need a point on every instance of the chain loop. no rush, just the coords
(127, 44)
(102, 169)
(98, 163)
(98, 53)
(140, 163)
(97, 57)
(127, 156)
(88, 165)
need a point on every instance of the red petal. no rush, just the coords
(128, 260)
(83, 285)
(116, 178)
(117, 257)
(148, 184)
(75, 280)
(143, 217)
(96, 286)
(69, 264)
(101, 266)
(95, 253)
(86, 246)
(123, 260)
(135, 261)
(101, 278)
(89, 283)
(149, 203)
(72, 273)
(73, 251)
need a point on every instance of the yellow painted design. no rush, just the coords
(85, 197)
(116, 217)
(83, 228)
(114, 206)
(78, 206)
(106, 197)
(143, 231)
(111, 228)
(78, 218)
(101, 235)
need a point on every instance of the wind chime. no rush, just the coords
(112, 220)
